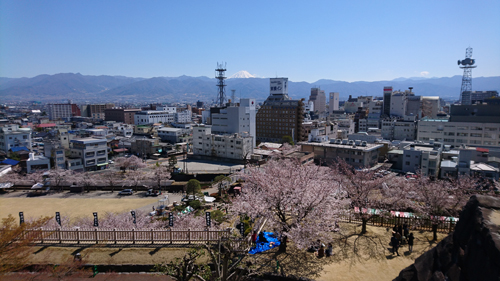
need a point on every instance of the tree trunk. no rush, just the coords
(363, 225)
(434, 232)
(282, 247)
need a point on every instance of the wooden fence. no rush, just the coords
(125, 236)
(414, 223)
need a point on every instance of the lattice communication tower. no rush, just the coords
(219, 75)
(467, 65)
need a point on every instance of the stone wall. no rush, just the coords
(471, 252)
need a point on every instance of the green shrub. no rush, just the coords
(217, 216)
(195, 204)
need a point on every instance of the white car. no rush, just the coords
(111, 161)
(126, 192)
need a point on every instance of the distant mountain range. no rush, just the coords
(86, 88)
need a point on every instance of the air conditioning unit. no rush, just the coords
(363, 143)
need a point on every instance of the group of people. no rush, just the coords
(320, 250)
(400, 235)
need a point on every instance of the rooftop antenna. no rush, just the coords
(467, 66)
(219, 75)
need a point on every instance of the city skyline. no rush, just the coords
(359, 41)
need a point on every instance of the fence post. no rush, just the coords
(170, 230)
(96, 238)
(41, 234)
(78, 236)
(189, 235)
(114, 234)
(381, 221)
(133, 235)
(60, 239)
(208, 236)
(451, 222)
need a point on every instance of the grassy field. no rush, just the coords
(72, 207)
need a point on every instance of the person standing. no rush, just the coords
(329, 250)
(395, 245)
(254, 238)
(410, 242)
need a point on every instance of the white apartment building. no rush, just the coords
(63, 111)
(399, 128)
(153, 116)
(175, 135)
(352, 106)
(458, 133)
(93, 152)
(13, 136)
(168, 109)
(37, 163)
(232, 146)
(398, 104)
(183, 117)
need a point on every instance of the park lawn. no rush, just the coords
(71, 207)
(385, 265)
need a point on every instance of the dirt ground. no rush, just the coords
(72, 207)
(366, 257)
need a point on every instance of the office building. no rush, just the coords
(235, 118)
(280, 116)
(97, 110)
(319, 100)
(93, 153)
(122, 115)
(232, 146)
(387, 100)
(334, 102)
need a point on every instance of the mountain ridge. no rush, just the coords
(78, 87)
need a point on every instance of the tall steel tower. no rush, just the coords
(219, 75)
(467, 66)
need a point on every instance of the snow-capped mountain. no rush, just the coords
(242, 74)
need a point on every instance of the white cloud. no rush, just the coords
(424, 73)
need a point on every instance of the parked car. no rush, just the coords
(111, 161)
(190, 198)
(126, 192)
(152, 192)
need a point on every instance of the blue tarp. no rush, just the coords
(10, 162)
(264, 246)
(19, 148)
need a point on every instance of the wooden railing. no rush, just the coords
(414, 223)
(125, 236)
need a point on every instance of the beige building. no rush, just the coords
(356, 153)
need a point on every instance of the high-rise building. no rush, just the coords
(319, 99)
(334, 102)
(280, 116)
(387, 100)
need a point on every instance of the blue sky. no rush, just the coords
(301, 40)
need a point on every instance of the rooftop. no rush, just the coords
(368, 147)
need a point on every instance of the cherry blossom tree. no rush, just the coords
(58, 176)
(35, 177)
(159, 174)
(435, 199)
(134, 178)
(85, 179)
(301, 202)
(365, 190)
(132, 163)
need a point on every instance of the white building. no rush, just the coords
(37, 163)
(13, 136)
(174, 135)
(398, 104)
(458, 133)
(93, 152)
(236, 118)
(153, 116)
(232, 146)
(430, 107)
(399, 128)
(167, 109)
(423, 157)
(334, 102)
(183, 117)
